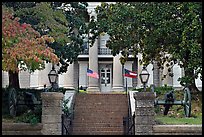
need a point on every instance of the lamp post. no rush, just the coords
(53, 77)
(144, 77)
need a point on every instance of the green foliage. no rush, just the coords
(163, 89)
(159, 90)
(36, 92)
(32, 117)
(177, 121)
(64, 21)
(65, 108)
(27, 117)
(166, 32)
(23, 113)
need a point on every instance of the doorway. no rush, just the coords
(105, 78)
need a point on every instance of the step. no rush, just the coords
(89, 124)
(99, 114)
(98, 133)
(101, 110)
(92, 128)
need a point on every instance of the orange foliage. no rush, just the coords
(22, 46)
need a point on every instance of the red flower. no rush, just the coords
(36, 59)
(24, 25)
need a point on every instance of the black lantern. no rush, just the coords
(53, 76)
(144, 77)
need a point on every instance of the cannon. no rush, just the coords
(169, 100)
(15, 99)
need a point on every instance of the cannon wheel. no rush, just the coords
(187, 102)
(12, 102)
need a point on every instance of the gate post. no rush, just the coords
(144, 113)
(51, 113)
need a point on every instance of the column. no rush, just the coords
(34, 79)
(156, 74)
(43, 76)
(199, 82)
(149, 69)
(76, 75)
(134, 69)
(168, 80)
(93, 85)
(117, 74)
(68, 78)
(24, 79)
(5, 79)
(61, 79)
(83, 78)
(177, 74)
(139, 83)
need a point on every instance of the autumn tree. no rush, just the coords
(64, 21)
(166, 32)
(23, 48)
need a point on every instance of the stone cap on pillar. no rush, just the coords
(52, 95)
(144, 96)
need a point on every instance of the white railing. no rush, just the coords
(104, 51)
(101, 51)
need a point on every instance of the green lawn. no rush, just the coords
(176, 121)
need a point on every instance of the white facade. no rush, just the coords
(99, 59)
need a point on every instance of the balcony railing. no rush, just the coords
(104, 51)
(101, 51)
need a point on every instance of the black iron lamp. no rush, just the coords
(144, 77)
(53, 76)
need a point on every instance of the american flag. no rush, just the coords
(92, 74)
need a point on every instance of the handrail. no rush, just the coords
(67, 118)
(129, 122)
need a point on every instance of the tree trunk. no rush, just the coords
(14, 80)
(156, 75)
(191, 83)
(193, 88)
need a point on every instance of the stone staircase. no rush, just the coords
(99, 114)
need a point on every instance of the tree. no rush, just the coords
(166, 32)
(64, 21)
(23, 48)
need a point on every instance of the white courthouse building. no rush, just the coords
(99, 59)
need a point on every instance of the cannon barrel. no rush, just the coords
(163, 102)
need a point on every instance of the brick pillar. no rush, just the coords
(51, 113)
(144, 113)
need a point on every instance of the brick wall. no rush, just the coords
(177, 129)
(21, 129)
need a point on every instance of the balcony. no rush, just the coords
(101, 51)
(104, 51)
